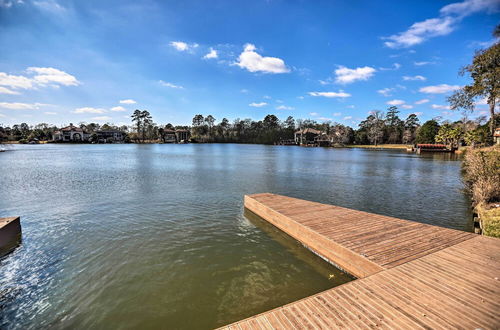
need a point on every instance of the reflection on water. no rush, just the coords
(136, 236)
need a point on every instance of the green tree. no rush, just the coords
(137, 118)
(485, 73)
(427, 132)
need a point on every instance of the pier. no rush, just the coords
(10, 234)
(409, 275)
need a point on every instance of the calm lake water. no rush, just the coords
(155, 236)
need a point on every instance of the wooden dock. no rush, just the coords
(410, 275)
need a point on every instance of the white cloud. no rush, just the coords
(442, 107)
(15, 81)
(89, 110)
(50, 5)
(2, 115)
(170, 85)
(50, 113)
(128, 101)
(418, 113)
(469, 7)
(350, 106)
(252, 61)
(20, 106)
(284, 107)
(258, 105)
(345, 75)
(211, 54)
(450, 16)
(52, 76)
(421, 31)
(407, 106)
(182, 46)
(347, 117)
(385, 91)
(395, 66)
(337, 114)
(422, 101)
(314, 114)
(421, 63)
(340, 94)
(244, 91)
(439, 89)
(4, 90)
(101, 118)
(41, 77)
(395, 102)
(118, 109)
(417, 77)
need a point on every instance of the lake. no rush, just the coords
(155, 236)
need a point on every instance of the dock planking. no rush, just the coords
(410, 275)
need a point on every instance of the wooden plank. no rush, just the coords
(411, 275)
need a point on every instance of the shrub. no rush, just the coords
(482, 174)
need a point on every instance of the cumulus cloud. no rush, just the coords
(44, 76)
(345, 75)
(128, 101)
(441, 107)
(40, 77)
(89, 110)
(422, 101)
(211, 54)
(254, 62)
(50, 113)
(258, 105)
(407, 106)
(118, 109)
(284, 107)
(347, 117)
(439, 89)
(314, 114)
(170, 85)
(337, 114)
(395, 102)
(451, 15)
(339, 94)
(21, 106)
(417, 77)
(183, 46)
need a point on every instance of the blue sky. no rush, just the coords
(82, 61)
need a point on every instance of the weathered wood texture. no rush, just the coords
(412, 275)
(361, 243)
(455, 288)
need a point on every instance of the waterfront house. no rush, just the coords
(169, 136)
(176, 136)
(70, 133)
(306, 136)
(110, 136)
(182, 135)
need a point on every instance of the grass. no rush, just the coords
(380, 146)
(490, 220)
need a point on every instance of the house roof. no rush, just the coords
(497, 132)
(308, 130)
(72, 128)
